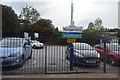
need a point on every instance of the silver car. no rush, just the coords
(14, 51)
(83, 54)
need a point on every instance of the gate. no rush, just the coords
(52, 58)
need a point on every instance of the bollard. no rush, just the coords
(104, 70)
(45, 59)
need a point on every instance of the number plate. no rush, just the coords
(90, 61)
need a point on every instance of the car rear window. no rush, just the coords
(115, 47)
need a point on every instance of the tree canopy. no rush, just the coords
(90, 25)
(44, 22)
(29, 14)
(97, 25)
(10, 22)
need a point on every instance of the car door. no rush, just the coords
(27, 49)
(100, 49)
(67, 52)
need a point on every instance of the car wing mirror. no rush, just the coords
(26, 46)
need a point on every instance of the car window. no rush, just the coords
(68, 47)
(27, 42)
(99, 47)
(82, 47)
(35, 41)
(102, 47)
(114, 48)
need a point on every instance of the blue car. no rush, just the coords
(14, 51)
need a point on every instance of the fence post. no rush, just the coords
(45, 59)
(71, 57)
(104, 70)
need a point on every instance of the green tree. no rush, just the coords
(92, 37)
(91, 25)
(45, 23)
(98, 24)
(29, 15)
(10, 22)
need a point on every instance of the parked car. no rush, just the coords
(83, 54)
(36, 44)
(112, 53)
(14, 51)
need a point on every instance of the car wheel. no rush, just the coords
(112, 60)
(41, 47)
(30, 55)
(34, 47)
(66, 56)
(22, 61)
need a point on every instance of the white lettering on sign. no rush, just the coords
(73, 29)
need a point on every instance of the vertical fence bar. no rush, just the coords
(71, 57)
(0, 39)
(104, 70)
(45, 59)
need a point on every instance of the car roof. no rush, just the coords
(14, 38)
(109, 44)
(80, 43)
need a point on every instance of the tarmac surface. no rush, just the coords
(53, 59)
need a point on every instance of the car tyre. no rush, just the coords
(112, 60)
(30, 55)
(41, 47)
(34, 47)
(66, 56)
(22, 61)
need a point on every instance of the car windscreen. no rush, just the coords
(82, 47)
(115, 48)
(11, 43)
(35, 41)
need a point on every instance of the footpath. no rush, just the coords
(79, 76)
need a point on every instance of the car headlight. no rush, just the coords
(14, 54)
(78, 54)
(98, 55)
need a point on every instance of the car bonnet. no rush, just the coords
(88, 53)
(5, 52)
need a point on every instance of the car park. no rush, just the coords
(83, 54)
(112, 53)
(36, 44)
(14, 51)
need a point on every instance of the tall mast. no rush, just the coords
(72, 22)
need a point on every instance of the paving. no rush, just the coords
(79, 76)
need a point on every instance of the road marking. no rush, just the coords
(34, 62)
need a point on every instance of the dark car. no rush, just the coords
(83, 54)
(112, 53)
(14, 51)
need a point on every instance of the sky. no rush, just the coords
(59, 11)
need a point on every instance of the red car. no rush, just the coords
(112, 53)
